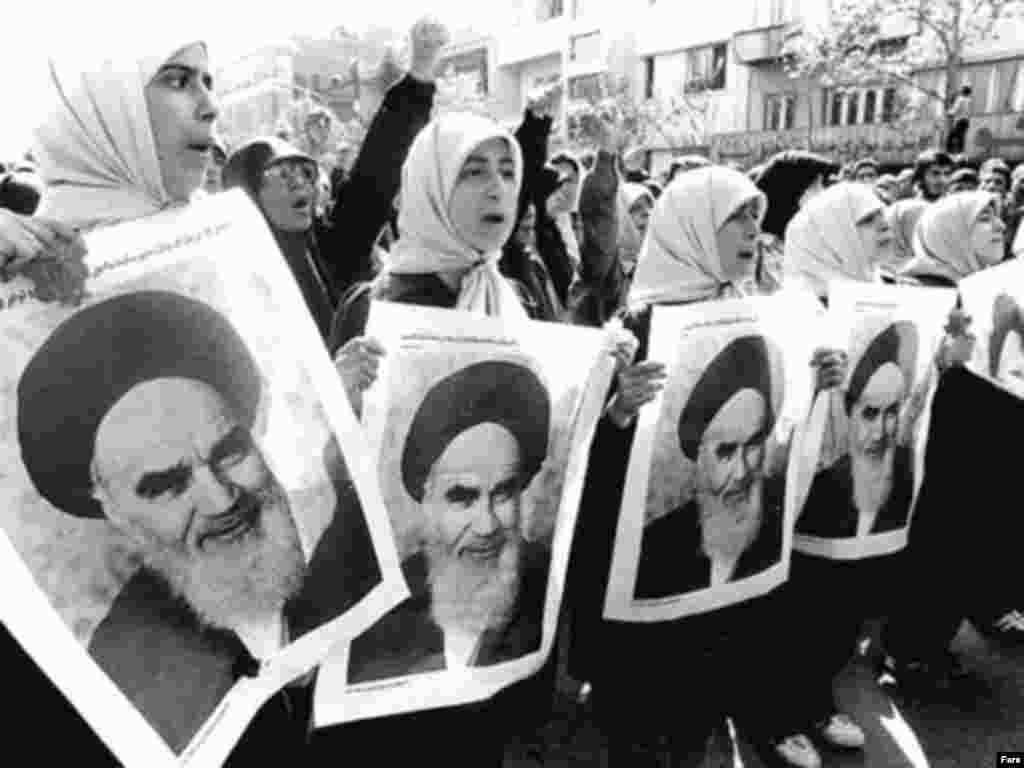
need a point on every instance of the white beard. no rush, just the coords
(728, 530)
(248, 583)
(872, 484)
(470, 597)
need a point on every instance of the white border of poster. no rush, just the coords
(852, 307)
(566, 358)
(226, 236)
(784, 321)
(979, 293)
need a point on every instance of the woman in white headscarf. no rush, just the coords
(700, 246)
(125, 135)
(956, 237)
(128, 134)
(842, 234)
(457, 207)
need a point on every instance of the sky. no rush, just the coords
(230, 27)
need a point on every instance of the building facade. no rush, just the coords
(721, 73)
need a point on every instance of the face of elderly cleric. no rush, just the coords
(730, 465)
(176, 471)
(874, 422)
(472, 506)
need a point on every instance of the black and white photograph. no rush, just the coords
(177, 482)
(711, 463)
(541, 383)
(866, 470)
(479, 429)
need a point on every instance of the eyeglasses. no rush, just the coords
(291, 173)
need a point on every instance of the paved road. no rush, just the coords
(961, 727)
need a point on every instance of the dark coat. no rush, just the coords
(672, 562)
(829, 511)
(407, 641)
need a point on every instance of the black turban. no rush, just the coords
(742, 364)
(95, 357)
(503, 393)
(896, 344)
(1006, 316)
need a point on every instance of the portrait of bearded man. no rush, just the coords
(145, 411)
(732, 527)
(477, 585)
(869, 490)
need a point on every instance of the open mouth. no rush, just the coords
(746, 254)
(494, 219)
(302, 204)
(201, 146)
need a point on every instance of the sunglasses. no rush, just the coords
(291, 173)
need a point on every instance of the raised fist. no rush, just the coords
(427, 38)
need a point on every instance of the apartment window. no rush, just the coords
(870, 98)
(779, 111)
(585, 87)
(836, 114)
(585, 48)
(549, 9)
(852, 107)
(888, 105)
(705, 68)
(649, 77)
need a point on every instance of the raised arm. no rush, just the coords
(365, 201)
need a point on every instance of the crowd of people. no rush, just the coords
(457, 212)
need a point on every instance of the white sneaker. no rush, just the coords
(799, 752)
(840, 731)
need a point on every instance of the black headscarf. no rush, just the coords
(245, 169)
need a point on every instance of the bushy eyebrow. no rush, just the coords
(234, 443)
(154, 484)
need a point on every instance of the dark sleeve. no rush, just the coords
(365, 200)
(598, 286)
(551, 247)
(532, 136)
(599, 251)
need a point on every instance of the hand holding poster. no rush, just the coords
(994, 299)
(862, 449)
(175, 483)
(702, 522)
(480, 433)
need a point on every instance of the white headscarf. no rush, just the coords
(428, 242)
(903, 217)
(630, 239)
(823, 242)
(95, 147)
(942, 240)
(679, 261)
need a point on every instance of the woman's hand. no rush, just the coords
(427, 38)
(639, 384)
(830, 367)
(957, 346)
(358, 362)
(50, 254)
